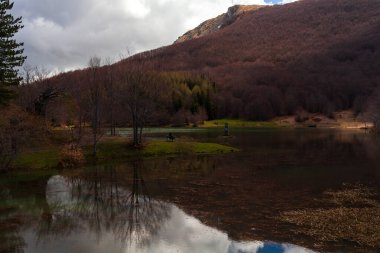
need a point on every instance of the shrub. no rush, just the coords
(301, 117)
(72, 156)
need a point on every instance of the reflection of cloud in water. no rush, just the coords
(288, 248)
(178, 232)
(245, 247)
(185, 234)
(58, 191)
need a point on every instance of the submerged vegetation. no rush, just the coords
(352, 214)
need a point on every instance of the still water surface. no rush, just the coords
(77, 223)
(224, 203)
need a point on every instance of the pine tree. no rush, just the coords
(11, 52)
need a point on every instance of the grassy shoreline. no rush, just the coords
(50, 156)
(238, 123)
(338, 120)
(118, 150)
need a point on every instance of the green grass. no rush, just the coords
(185, 147)
(38, 160)
(238, 123)
(120, 149)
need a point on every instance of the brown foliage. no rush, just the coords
(319, 55)
(72, 156)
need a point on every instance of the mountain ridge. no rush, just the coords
(214, 24)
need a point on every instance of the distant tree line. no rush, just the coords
(272, 91)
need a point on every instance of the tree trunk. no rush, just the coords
(113, 129)
(94, 145)
(135, 131)
(95, 128)
(80, 126)
(140, 134)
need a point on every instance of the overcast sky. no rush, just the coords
(63, 34)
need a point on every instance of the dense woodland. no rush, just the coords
(318, 56)
(95, 102)
(160, 97)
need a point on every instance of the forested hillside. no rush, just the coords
(316, 55)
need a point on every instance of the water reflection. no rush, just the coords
(10, 226)
(99, 212)
(101, 206)
(103, 216)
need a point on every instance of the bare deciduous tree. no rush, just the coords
(110, 92)
(143, 95)
(96, 91)
(374, 110)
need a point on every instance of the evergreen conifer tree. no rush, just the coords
(11, 51)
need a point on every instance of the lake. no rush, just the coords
(219, 203)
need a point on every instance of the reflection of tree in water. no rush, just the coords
(182, 167)
(99, 202)
(10, 226)
(144, 216)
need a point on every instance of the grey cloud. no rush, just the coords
(63, 35)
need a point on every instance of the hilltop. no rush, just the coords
(212, 25)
